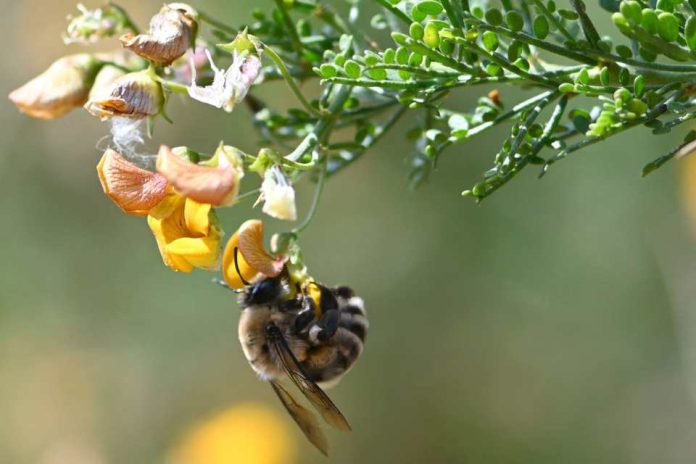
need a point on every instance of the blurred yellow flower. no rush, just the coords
(688, 188)
(243, 434)
(187, 233)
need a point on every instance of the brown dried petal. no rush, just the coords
(213, 185)
(135, 95)
(171, 33)
(58, 90)
(134, 190)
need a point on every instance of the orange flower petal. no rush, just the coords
(251, 247)
(213, 185)
(133, 189)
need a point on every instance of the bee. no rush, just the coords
(308, 332)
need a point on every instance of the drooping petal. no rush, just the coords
(63, 87)
(235, 269)
(216, 185)
(134, 190)
(135, 95)
(197, 217)
(171, 33)
(252, 248)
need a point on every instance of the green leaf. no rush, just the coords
(541, 27)
(514, 21)
(352, 69)
(668, 26)
(690, 32)
(494, 17)
(489, 40)
(430, 8)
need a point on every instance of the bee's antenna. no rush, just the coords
(236, 267)
(224, 284)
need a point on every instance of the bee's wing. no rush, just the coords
(303, 417)
(311, 390)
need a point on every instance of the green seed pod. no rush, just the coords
(624, 76)
(668, 26)
(376, 74)
(622, 94)
(541, 27)
(430, 7)
(494, 17)
(690, 32)
(604, 76)
(389, 56)
(415, 59)
(399, 38)
(402, 54)
(352, 69)
(446, 46)
(639, 86)
(327, 70)
(514, 20)
(417, 14)
(583, 77)
(416, 31)
(631, 11)
(624, 51)
(489, 40)
(649, 20)
(666, 5)
(566, 87)
(431, 35)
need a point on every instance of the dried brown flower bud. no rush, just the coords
(134, 95)
(133, 189)
(62, 87)
(215, 181)
(172, 32)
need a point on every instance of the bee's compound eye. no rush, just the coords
(271, 329)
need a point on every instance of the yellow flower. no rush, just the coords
(187, 233)
(243, 434)
(250, 258)
(63, 87)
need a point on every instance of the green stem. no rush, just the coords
(290, 26)
(387, 5)
(315, 200)
(290, 80)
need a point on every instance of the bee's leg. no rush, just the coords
(327, 325)
(303, 320)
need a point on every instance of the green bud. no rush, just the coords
(637, 106)
(649, 20)
(489, 40)
(541, 27)
(416, 31)
(690, 32)
(431, 35)
(622, 94)
(514, 20)
(566, 87)
(631, 10)
(668, 27)
(494, 17)
(352, 69)
(620, 21)
(639, 86)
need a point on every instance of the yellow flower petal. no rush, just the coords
(229, 270)
(197, 216)
(133, 189)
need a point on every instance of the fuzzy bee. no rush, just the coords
(307, 332)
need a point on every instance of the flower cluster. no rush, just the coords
(182, 191)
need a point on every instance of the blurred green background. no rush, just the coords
(554, 323)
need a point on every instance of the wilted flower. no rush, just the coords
(243, 434)
(228, 87)
(215, 181)
(134, 190)
(187, 232)
(278, 195)
(104, 82)
(134, 95)
(62, 87)
(172, 32)
(92, 25)
(245, 256)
